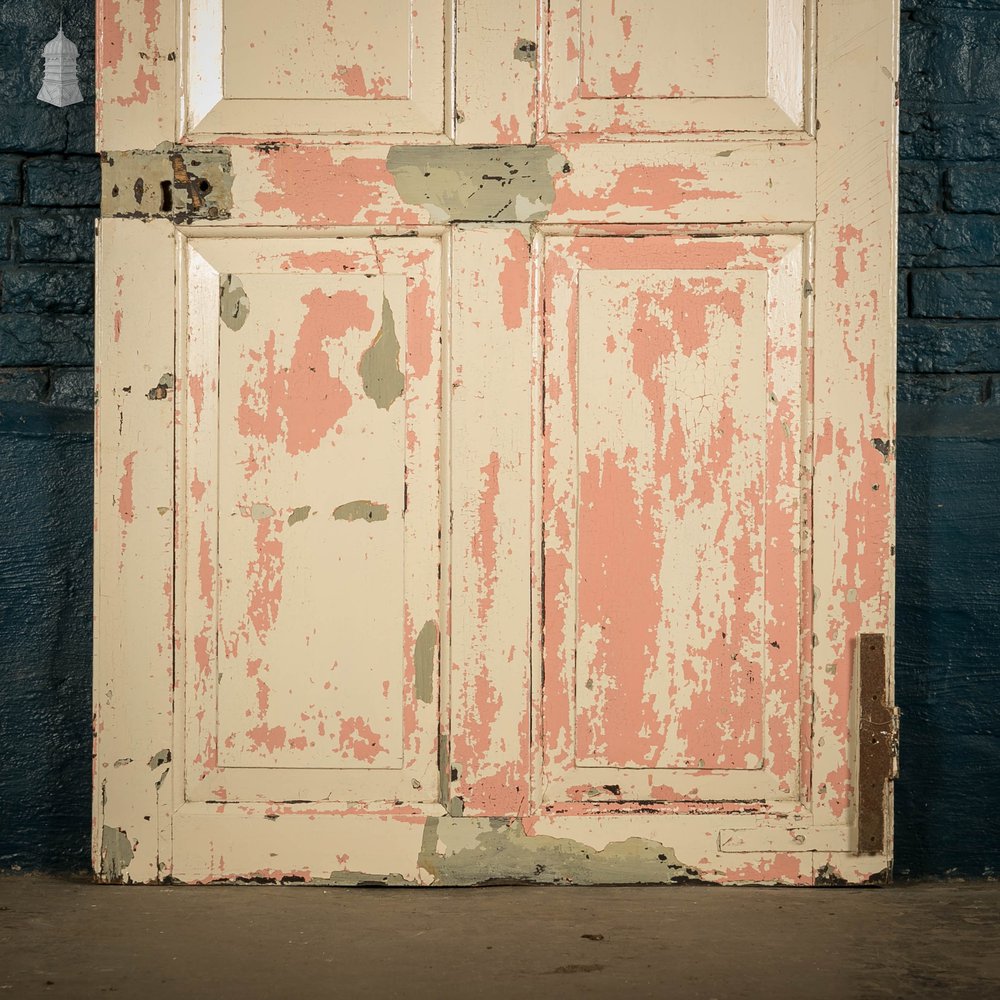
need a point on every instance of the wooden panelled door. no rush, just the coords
(495, 441)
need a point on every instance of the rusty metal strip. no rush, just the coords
(878, 738)
(177, 183)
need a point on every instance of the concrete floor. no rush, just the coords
(65, 938)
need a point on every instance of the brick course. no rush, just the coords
(949, 230)
(67, 181)
(49, 193)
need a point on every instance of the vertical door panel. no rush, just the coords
(300, 421)
(675, 373)
(313, 513)
(495, 98)
(493, 367)
(133, 550)
(855, 399)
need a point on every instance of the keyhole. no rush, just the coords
(166, 196)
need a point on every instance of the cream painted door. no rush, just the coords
(494, 467)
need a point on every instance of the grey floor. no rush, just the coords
(67, 938)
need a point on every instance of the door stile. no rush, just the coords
(855, 298)
(496, 97)
(491, 526)
(134, 541)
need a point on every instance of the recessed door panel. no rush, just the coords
(718, 49)
(629, 67)
(319, 50)
(676, 373)
(313, 511)
(311, 475)
(320, 67)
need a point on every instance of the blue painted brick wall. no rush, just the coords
(49, 192)
(948, 796)
(948, 537)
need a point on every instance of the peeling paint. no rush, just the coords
(116, 854)
(606, 410)
(423, 661)
(885, 448)
(365, 879)
(299, 514)
(379, 367)
(361, 510)
(490, 850)
(234, 306)
(827, 876)
(160, 390)
(302, 402)
(478, 183)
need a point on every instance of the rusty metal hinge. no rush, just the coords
(879, 743)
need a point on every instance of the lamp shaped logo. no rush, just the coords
(59, 85)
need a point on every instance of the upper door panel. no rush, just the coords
(315, 69)
(587, 68)
(208, 70)
(634, 67)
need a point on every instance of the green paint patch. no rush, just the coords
(260, 511)
(234, 306)
(299, 514)
(160, 390)
(116, 854)
(473, 851)
(478, 183)
(380, 372)
(423, 661)
(526, 51)
(361, 510)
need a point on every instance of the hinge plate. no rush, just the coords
(878, 735)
